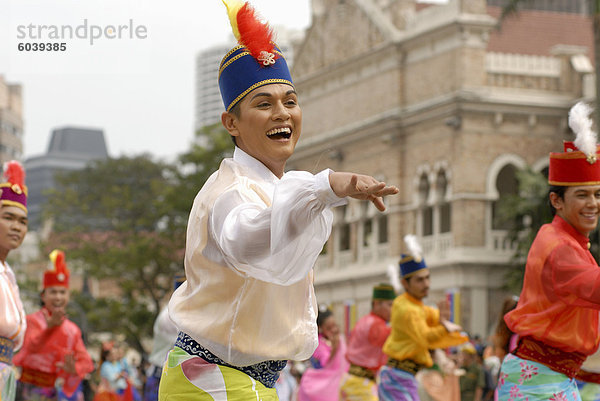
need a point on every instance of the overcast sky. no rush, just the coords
(140, 89)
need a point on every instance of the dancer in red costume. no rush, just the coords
(53, 358)
(556, 317)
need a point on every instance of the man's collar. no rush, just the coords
(565, 226)
(255, 165)
(413, 299)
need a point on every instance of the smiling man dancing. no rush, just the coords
(254, 234)
(556, 317)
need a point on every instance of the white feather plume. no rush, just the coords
(393, 272)
(581, 124)
(414, 248)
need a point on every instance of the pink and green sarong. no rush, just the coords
(524, 380)
(189, 377)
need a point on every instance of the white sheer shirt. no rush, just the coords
(252, 242)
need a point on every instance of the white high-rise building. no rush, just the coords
(209, 105)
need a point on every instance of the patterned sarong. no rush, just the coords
(355, 388)
(524, 380)
(152, 382)
(31, 392)
(189, 377)
(8, 383)
(589, 391)
(397, 385)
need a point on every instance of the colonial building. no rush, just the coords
(440, 101)
(11, 121)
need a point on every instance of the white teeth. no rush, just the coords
(279, 131)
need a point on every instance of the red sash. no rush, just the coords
(37, 378)
(567, 363)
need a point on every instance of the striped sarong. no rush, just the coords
(189, 377)
(524, 380)
(355, 388)
(8, 383)
(397, 385)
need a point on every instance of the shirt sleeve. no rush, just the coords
(321, 356)
(277, 243)
(378, 333)
(575, 279)
(420, 332)
(83, 366)
(431, 337)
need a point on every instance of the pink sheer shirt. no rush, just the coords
(12, 315)
(366, 342)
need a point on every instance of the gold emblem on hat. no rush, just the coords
(17, 189)
(591, 158)
(267, 58)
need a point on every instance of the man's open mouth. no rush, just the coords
(280, 133)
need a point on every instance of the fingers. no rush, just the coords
(378, 202)
(354, 182)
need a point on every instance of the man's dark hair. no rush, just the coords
(559, 191)
(322, 316)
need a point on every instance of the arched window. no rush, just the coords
(441, 188)
(506, 185)
(367, 224)
(426, 209)
(344, 229)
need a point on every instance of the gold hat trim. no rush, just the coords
(256, 85)
(573, 184)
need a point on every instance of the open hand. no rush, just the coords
(68, 365)
(444, 307)
(362, 187)
(54, 319)
(451, 326)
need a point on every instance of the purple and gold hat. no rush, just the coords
(255, 62)
(13, 191)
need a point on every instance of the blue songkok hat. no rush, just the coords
(412, 261)
(408, 265)
(255, 62)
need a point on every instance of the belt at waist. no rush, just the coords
(406, 364)
(37, 378)
(6, 350)
(361, 372)
(567, 363)
(266, 372)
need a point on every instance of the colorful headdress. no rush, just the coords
(384, 291)
(255, 62)
(412, 261)
(57, 273)
(578, 164)
(13, 191)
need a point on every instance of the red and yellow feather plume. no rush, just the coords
(249, 31)
(14, 173)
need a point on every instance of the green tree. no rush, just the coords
(124, 220)
(213, 144)
(524, 212)
(112, 220)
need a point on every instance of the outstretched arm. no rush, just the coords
(362, 187)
